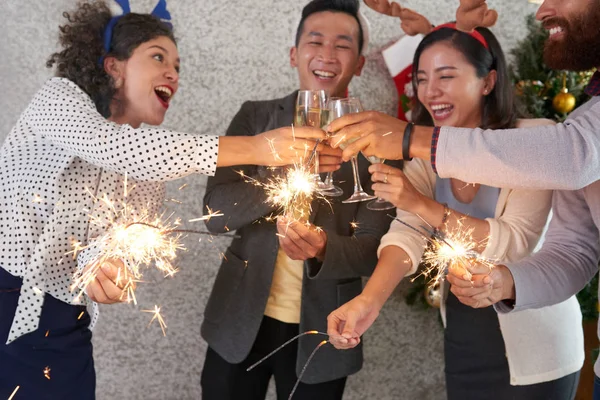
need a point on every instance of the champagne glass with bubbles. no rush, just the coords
(339, 108)
(311, 110)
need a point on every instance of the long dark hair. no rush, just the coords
(83, 47)
(499, 107)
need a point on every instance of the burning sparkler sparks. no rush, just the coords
(211, 214)
(450, 250)
(47, 373)
(156, 316)
(136, 238)
(293, 191)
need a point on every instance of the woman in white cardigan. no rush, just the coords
(461, 80)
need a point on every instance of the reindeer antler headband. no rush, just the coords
(470, 15)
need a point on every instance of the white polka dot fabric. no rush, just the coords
(60, 152)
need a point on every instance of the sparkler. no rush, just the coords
(14, 392)
(294, 191)
(136, 238)
(324, 342)
(158, 317)
(307, 361)
(450, 250)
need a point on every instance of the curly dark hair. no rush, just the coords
(82, 39)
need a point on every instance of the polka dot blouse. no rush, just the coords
(60, 152)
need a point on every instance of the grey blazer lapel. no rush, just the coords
(284, 114)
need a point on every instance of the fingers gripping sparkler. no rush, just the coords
(455, 249)
(136, 238)
(308, 360)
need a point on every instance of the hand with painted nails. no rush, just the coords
(372, 132)
(105, 288)
(482, 286)
(347, 324)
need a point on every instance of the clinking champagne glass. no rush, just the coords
(329, 188)
(339, 108)
(311, 110)
(379, 204)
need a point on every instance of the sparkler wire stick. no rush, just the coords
(313, 153)
(461, 251)
(283, 345)
(184, 230)
(14, 392)
(324, 342)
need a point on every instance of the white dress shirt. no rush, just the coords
(59, 153)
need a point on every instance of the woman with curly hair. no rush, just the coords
(81, 134)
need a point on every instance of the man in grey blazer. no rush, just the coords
(270, 288)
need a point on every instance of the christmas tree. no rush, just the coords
(544, 93)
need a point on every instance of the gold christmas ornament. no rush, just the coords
(433, 295)
(564, 102)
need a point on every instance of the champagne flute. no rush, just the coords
(329, 188)
(339, 108)
(311, 110)
(379, 204)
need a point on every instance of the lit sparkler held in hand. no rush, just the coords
(294, 190)
(446, 251)
(138, 239)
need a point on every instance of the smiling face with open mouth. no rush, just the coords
(149, 80)
(449, 88)
(327, 55)
(574, 33)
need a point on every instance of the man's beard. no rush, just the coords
(579, 49)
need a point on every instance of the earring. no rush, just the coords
(118, 83)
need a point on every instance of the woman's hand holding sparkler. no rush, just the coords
(346, 325)
(301, 241)
(108, 284)
(484, 287)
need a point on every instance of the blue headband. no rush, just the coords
(160, 11)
